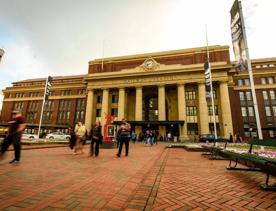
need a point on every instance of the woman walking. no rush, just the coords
(80, 134)
(96, 138)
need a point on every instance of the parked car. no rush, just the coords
(29, 136)
(57, 135)
(209, 138)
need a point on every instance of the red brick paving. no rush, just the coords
(150, 178)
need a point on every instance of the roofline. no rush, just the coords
(159, 54)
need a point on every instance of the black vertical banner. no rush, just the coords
(238, 38)
(207, 72)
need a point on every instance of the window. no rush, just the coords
(32, 112)
(272, 94)
(64, 111)
(242, 98)
(267, 111)
(274, 110)
(240, 82)
(250, 111)
(192, 128)
(80, 108)
(244, 112)
(248, 95)
(65, 92)
(18, 105)
(98, 112)
(210, 110)
(271, 65)
(214, 94)
(263, 81)
(191, 111)
(81, 91)
(246, 82)
(99, 99)
(190, 95)
(52, 93)
(270, 80)
(114, 98)
(34, 94)
(114, 111)
(265, 95)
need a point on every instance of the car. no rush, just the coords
(57, 135)
(29, 136)
(209, 138)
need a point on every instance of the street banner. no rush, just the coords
(207, 70)
(238, 41)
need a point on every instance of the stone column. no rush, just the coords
(182, 111)
(104, 106)
(89, 109)
(161, 108)
(225, 110)
(121, 103)
(138, 108)
(203, 109)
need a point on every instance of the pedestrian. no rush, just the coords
(231, 138)
(16, 128)
(133, 137)
(96, 138)
(72, 140)
(80, 131)
(124, 133)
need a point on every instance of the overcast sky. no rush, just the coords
(59, 37)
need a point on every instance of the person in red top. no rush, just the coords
(17, 126)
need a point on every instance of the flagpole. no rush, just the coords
(211, 85)
(103, 55)
(255, 104)
(42, 109)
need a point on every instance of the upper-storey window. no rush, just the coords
(270, 80)
(65, 92)
(240, 82)
(263, 81)
(246, 82)
(190, 95)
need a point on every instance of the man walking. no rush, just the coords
(17, 126)
(124, 133)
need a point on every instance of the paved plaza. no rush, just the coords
(150, 178)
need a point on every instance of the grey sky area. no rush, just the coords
(59, 37)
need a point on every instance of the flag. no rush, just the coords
(1, 53)
(238, 38)
(208, 82)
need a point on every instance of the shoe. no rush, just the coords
(118, 155)
(126, 155)
(14, 161)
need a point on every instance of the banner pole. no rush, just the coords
(252, 85)
(42, 109)
(211, 85)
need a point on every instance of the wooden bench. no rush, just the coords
(255, 162)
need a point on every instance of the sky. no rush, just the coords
(59, 37)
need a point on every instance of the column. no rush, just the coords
(161, 103)
(89, 109)
(121, 104)
(138, 105)
(104, 106)
(161, 108)
(203, 109)
(225, 110)
(182, 111)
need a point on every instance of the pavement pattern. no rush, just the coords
(150, 178)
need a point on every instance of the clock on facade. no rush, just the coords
(149, 64)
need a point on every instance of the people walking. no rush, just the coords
(16, 128)
(133, 137)
(96, 138)
(124, 133)
(80, 131)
